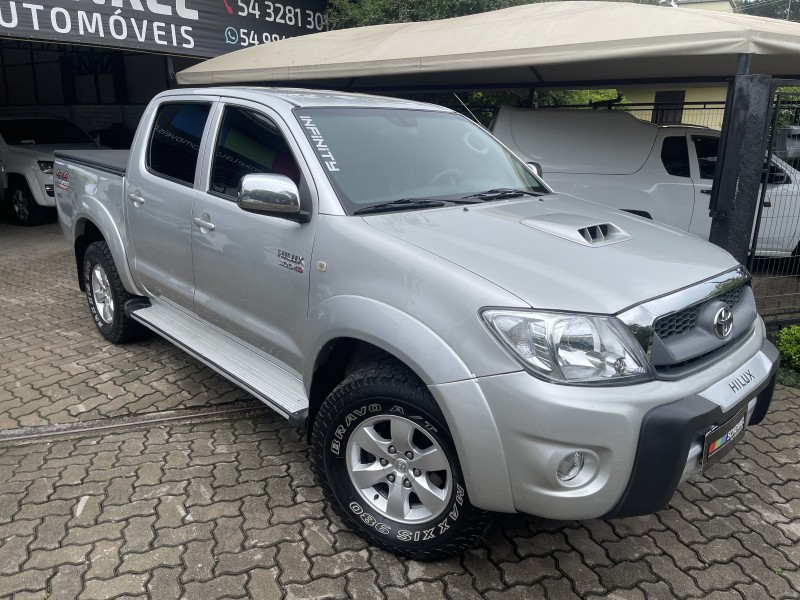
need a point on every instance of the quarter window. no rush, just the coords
(249, 142)
(707, 149)
(175, 140)
(675, 155)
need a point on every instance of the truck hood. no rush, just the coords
(45, 151)
(559, 252)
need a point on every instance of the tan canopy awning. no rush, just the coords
(544, 44)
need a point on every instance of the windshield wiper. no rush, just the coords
(401, 204)
(502, 194)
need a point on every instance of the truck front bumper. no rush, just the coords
(671, 439)
(639, 442)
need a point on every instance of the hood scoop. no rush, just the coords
(579, 229)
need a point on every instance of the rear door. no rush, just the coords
(778, 213)
(666, 180)
(160, 189)
(703, 151)
(251, 270)
(780, 225)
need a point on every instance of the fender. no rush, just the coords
(437, 364)
(386, 327)
(91, 209)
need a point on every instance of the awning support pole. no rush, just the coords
(740, 161)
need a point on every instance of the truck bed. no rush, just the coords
(111, 161)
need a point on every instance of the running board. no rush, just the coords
(266, 381)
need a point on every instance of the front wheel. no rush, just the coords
(386, 462)
(27, 212)
(107, 295)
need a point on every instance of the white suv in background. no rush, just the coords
(26, 162)
(660, 172)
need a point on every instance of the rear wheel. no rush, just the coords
(386, 461)
(107, 295)
(26, 211)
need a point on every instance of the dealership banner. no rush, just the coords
(201, 28)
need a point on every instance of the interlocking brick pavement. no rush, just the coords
(56, 368)
(229, 509)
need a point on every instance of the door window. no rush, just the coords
(706, 149)
(175, 140)
(249, 142)
(675, 155)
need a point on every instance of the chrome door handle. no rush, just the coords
(708, 192)
(136, 198)
(204, 224)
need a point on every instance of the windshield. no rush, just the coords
(20, 132)
(374, 156)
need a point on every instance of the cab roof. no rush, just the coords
(307, 98)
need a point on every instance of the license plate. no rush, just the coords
(719, 441)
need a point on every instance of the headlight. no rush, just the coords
(46, 166)
(571, 348)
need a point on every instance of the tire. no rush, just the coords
(26, 211)
(106, 296)
(383, 422)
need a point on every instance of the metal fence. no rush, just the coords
(774, 256)
(703, 114)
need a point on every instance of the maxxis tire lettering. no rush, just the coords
(389, 389)
(370, 520)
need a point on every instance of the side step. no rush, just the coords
(269, 383)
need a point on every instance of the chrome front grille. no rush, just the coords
(678, 331)
(684, 321)
(678, 322)
(733, 297)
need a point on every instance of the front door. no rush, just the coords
(158, 199)
(251, 270)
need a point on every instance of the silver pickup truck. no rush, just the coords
(455, 337)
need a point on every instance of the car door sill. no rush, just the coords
(266, 381)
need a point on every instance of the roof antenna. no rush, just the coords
(474, 118)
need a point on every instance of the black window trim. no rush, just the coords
(245, 104)
(700, 136)
(211, 103)
(688, 158)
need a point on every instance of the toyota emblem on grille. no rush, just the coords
(723, 322)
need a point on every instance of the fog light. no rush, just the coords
(570, 466)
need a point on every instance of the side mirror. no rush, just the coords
(536, 168)
(268, 193)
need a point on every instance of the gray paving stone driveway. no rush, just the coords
(229, 508)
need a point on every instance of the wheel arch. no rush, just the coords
(335, 362)
(101, 228)
(9, 180)
(14, 177)
(353, 331)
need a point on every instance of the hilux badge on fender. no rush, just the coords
(291, 261)
(723, 322)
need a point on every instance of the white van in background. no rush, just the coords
(661, 172)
